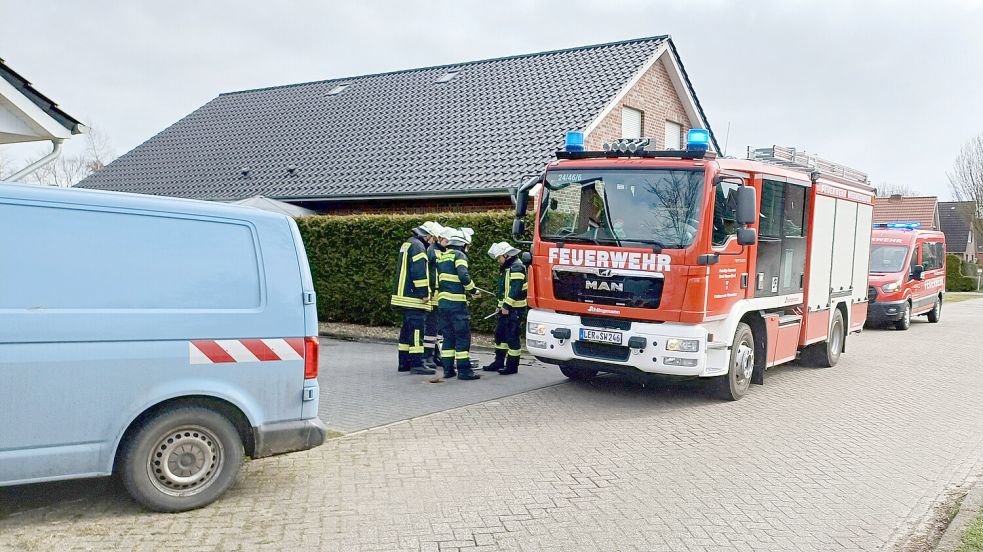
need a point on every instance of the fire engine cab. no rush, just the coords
(682, 263)
(907, 274)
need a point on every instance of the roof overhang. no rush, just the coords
(28, 116)
(406, 196)
(669, 57)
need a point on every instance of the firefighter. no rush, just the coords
(512, 289)
(454, 288)
(438, 244)
(411, 294)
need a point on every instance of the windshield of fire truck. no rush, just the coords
(888, 258)
(651, 206)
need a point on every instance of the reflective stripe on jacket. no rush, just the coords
(512, 284)
(453, 278)
(411, 285)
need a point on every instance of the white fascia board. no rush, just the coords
(47, 127)
(626, 88)
(684, 93)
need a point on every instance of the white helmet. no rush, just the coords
(502, 249)
(447, 233)
(461, 237)
(433, 228)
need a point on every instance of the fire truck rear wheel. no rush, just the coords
(936, 313)
(735, 384)
(827, 353)
(577, 374)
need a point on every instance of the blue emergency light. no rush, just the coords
(899, 225)
(574, 141)
(698, 139)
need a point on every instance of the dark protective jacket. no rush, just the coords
(411, 284)
(453, 279)
(433, 252)
(512, 284)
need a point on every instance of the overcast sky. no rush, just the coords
(890, 88)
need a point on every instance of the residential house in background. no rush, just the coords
(449, 138)
(897, 208)
(27, 115)
(957, 224)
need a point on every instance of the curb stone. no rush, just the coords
(968, 510)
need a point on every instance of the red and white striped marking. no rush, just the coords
(217, 351)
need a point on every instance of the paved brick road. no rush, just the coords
(839, 459)
(360, 387)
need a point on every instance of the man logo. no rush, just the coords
(604, 286)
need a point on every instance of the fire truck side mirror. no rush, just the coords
(747, 236)
(747, 205)
(521, 203)
(518, 228)
(916, 274)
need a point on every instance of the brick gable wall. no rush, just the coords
(655, 96)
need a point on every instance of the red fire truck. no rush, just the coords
(683, 263)
(907, 274)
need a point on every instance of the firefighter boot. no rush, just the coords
(465, 370)
(511, 366)
(422, 371)
(499, 363)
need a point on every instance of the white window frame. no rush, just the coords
(629, 116)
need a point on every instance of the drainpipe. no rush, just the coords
(33, 167)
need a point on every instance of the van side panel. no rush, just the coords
(101, 302)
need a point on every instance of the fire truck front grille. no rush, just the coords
(619, 290)
(601, 351)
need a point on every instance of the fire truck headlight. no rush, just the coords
(683, 345)
(891, 287)
(537, 329)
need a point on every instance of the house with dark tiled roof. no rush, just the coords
(896, 208)
(453, 137)
(27, 115)
(957, 219)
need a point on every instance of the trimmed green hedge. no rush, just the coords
(954, 274)
(353, 259)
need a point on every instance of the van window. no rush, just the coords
(112, 260)
(930, 256)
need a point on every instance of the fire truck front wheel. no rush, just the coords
(735, 384)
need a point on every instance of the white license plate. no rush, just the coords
(600, 336)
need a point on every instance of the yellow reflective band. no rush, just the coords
(447, 354)
(461, 355)
(515, 302)
(408, 302)
(517, 276)
(449, 277)
(469, 287)
(416, 350)
(419, 257)
(447, 296)
(405, 247)
(502, 346)
(515, 352)
(525, 286)
(421, 283)
(460, 262)
(404, 347)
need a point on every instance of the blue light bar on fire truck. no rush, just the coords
(698, 139)
(899, 225)
(574, 141)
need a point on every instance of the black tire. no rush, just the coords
(181, 459)
(935, 314)
(734, 385)
(827, 353)
(905, 321)
(578, 374)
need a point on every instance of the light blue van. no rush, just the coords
(160, 339)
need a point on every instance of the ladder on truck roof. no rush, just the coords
(802, 161)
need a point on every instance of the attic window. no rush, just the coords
(447, 77)
(338, 89)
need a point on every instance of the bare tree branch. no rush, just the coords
(888, 190)
(966, 178)
(68, 170)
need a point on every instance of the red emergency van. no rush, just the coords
(907, 274)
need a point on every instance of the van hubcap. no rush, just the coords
(185, 461)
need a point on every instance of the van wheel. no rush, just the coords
(734, 385)
(181, 459)
(936, 313)
(905, 321)
(827, 353)
(578, 374)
